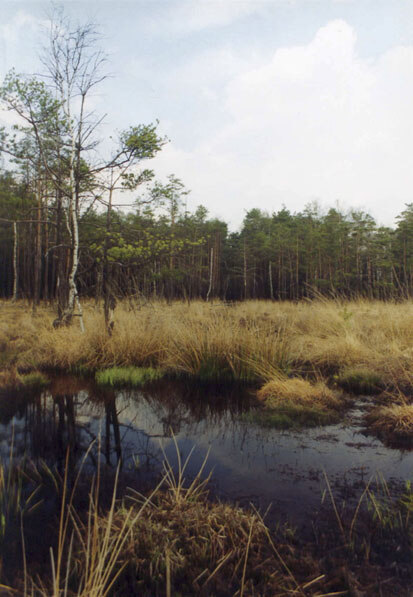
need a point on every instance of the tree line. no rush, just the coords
(159, 249)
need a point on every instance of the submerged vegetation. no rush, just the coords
(292, 416)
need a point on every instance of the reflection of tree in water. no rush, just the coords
(176, 404)
(50, 429)
(13, 404)
(125, 425)
(112, 419)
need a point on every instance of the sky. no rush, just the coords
(266, 103)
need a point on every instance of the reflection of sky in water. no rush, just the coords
(248, 463)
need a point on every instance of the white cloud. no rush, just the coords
(314, 122)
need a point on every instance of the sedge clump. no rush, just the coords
(297, 402)
(392, 423)
(360, 381)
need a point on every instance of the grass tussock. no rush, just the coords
(296, 402)
(252, 341)
(175, 541)
(359, 381)
(133, 377)
(278, 392)
(392, 423)
(203, 548)
(171, 542)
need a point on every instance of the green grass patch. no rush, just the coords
(359, 381)
(134, 377)
(34, 380)
(291, 416)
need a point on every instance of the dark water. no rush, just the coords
(248, 463)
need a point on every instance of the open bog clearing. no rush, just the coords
(297, 413)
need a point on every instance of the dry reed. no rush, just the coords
(251, 340)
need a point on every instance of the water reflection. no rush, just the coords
(248, 463)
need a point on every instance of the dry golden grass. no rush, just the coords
(174, 541)
(201, 548)
(255, 339)
(393, 422)
(299, 392)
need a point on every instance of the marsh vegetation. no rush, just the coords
(340, 369)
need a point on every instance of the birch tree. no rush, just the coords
(74, 68)
(54, 111)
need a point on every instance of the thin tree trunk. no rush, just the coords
(38, 252)
(245, 272)
(46, 259)
(108, 298)
(211, 269)
(15, 264)
(270, 280)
